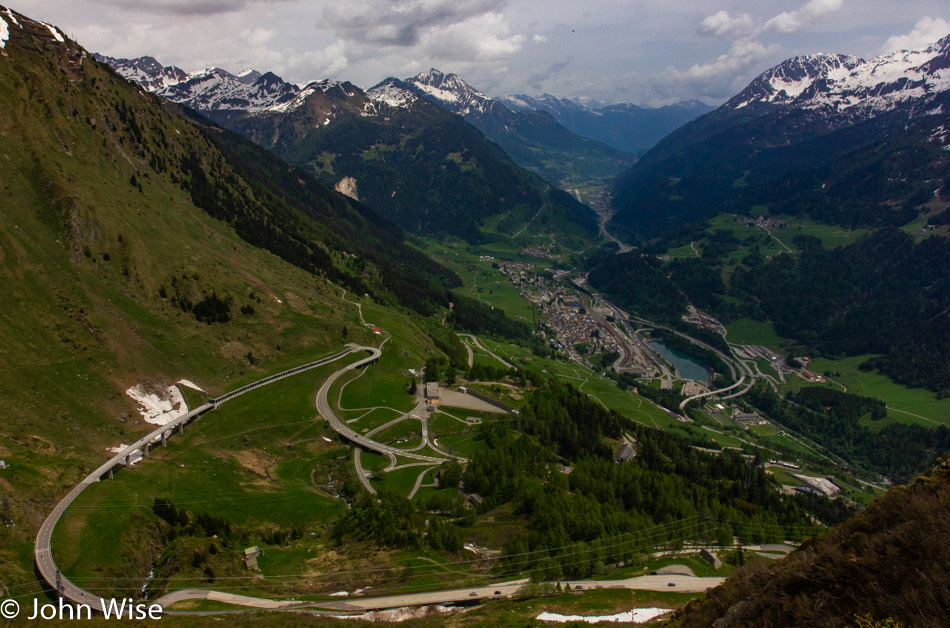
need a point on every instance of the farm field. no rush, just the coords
(905, 405)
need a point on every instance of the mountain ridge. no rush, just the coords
(217, 90)
(801, 116)
(534, 139)
(336, 131)
(624, 126)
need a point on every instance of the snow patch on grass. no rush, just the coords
(55, 32)
(635, 616)
(158, 405)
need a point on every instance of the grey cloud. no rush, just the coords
(400, 22)
(185, 7)
(537, 79)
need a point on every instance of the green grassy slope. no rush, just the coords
(104, 252)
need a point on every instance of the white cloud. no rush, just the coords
(258, 36)
(809, 14)
(482, 38)
(330, 61)
(539, 39)
(743, 53)
(925, 32)
(724, 25)
(718, 79)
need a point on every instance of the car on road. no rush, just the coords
(671, 584)
(473, 594)
(497, 592)
(578, 588)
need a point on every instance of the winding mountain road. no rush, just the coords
(42, 551)
(323, 407)
(483, 348)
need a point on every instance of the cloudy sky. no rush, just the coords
(636, 51)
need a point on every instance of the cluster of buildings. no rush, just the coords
(516, 270)
(704, 321)
(761, 221)
(548, 251)
(570, 322)
(747, 418)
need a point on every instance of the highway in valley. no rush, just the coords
(736, 366)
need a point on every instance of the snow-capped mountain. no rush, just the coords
(534, 139)
(852, 87)
(556, 106)
(215, 89)
(145, 71)
(846, 140)
(392, 92)
(452, 93)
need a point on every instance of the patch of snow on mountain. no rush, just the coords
(391, 95)
(514, 102)
(13, 18)
(4, 33)
(790, 88)
(940, 136)
(890, 68)
(290, 105)
(440, 94)
(55, 32)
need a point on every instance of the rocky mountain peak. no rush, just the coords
(450, 92)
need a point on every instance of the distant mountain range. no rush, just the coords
(422, 166)
(846, 140)
(624, 126)
(216, 90)
(534, 139)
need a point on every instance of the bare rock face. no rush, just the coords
(347, 187)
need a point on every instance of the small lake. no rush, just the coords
(687, 367)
